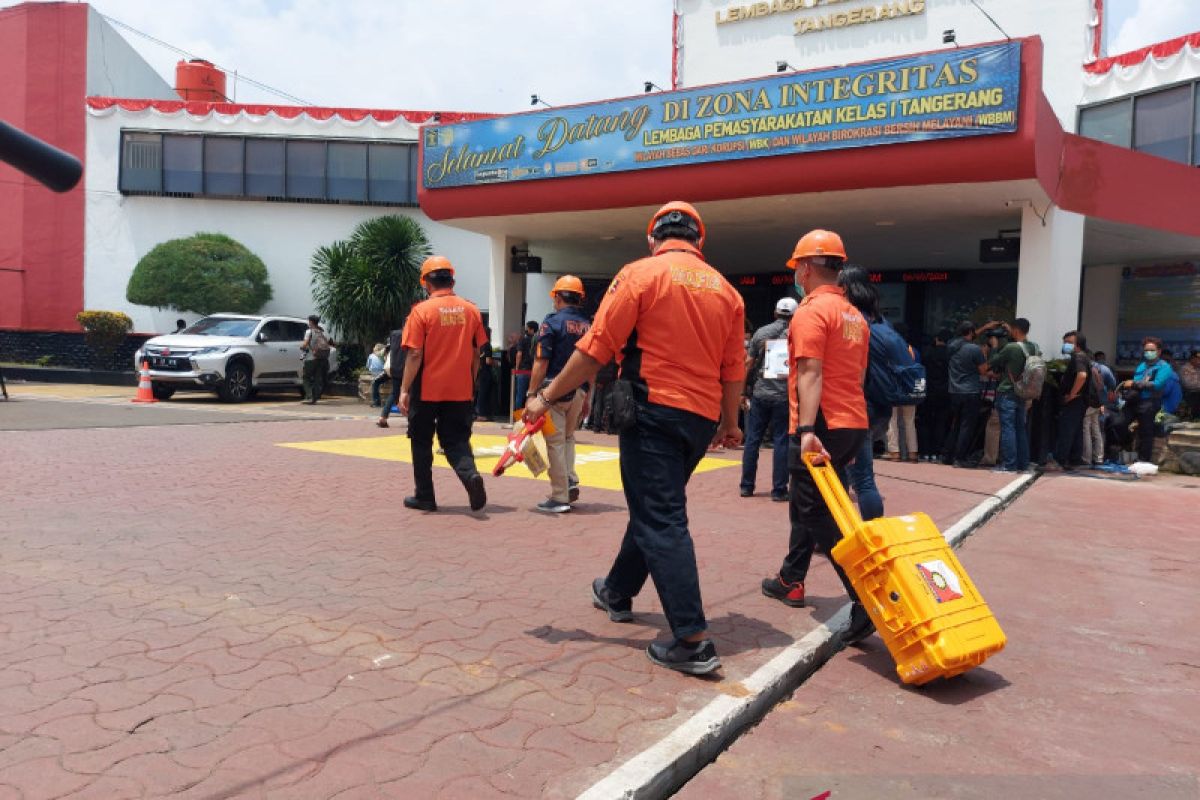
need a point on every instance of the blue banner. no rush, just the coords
(957, 92)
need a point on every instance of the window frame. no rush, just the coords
(1131, 98)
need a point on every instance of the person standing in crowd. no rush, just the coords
(862, 294)
(902, 431)
(556, 342)
(672, 402)
(485, 385)
(1189, 376)
(375, 367)
(394, 367)
(767, 362)
(828, 344)
(965, 368)
(933, 415)
(1009, 364)
(180, 326)
(1144, 397)
(1073, 388)
(442, 339)
(523, 362)
(1095, 417)
(316, 348)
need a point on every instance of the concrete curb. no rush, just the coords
(663, 768)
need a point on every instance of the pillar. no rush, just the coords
(1101, 308)
(506, 291)
(1049, 274)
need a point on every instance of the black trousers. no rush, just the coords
(964, 411)
(813, 527)
(933, 422)
(1068, 439)
(452, 423)
(657, 460)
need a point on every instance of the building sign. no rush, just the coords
(958, 92)
(829, 14)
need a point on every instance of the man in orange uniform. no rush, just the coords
(828, 342)
(671, 402)
(441, 339)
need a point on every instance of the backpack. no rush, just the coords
(318, 343)
(1096, 393)
(1033, 376)
(894, 378)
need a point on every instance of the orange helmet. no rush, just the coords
(674, 212)
(817, 243)
(568, 283)
(435, 264)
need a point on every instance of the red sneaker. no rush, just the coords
(790, 594)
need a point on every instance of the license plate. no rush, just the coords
(162, 361)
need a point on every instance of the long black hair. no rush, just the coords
(855, 281)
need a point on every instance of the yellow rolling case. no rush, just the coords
(929, 613)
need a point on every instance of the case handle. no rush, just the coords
(830, 486)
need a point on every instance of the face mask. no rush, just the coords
(1068, 348)
(1150, 355)
(799, 289)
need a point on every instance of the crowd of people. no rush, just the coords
(829, 381)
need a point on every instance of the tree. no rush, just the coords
(364, 287)
(205, 273)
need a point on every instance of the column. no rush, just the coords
(506, 291)
(1050, 273)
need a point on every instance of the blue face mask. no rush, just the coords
(799, 289)
(1150, 355)
(1068, 348)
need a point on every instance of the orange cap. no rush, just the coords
(436, 264)
(568, 283)
(682, 208)
(817, 243)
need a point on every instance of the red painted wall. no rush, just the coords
(43, 58)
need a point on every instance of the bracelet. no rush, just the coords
(541, 395)
(806, 429)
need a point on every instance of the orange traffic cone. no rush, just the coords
(145, 392)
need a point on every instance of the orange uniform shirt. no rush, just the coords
(827, 327)
(689, 324)
(449, 331)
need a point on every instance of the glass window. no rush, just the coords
(223, 326)
(306, 170)
(141, 162)
(1163, 123)
(182, 159)
(295, 331)
(223, 165)
(391, 178)
(347, 171)
(1110, 123)
(272, 331)
(264, 167)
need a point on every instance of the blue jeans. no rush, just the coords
(762, 414)
(862, 477)
(658, 457)
(1014, 437)
(522, 387)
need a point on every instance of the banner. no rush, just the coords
(952, 93)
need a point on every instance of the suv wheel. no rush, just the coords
(236, 386)
(162, 391)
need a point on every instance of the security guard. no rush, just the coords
(828, 342)
(768, 401)
(672, 402)
(555, 343)
(441, 340)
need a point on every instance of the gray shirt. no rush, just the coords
(768, 389)
(965, 359)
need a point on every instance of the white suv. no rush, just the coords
(234, 354)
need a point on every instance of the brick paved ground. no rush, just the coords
(194, 611)
(1096, 696)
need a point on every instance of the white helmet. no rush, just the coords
(785, 307)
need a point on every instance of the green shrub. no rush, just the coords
(43, 361)
(205, 273)
(104, 331)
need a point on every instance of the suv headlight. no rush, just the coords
(206, 351)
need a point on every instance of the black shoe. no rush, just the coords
(747, 493)
(475, 492)
(602, 598)
(860, 625)
(573, 494)
(779, 498)
(790, 594)
(694, 659)
(420, 505)
(552, 506)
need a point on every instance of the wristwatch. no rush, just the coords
(806, 429)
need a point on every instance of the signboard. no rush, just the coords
(954, 93)
(831, 14)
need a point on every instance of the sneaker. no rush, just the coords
(699, 658)
(602, 598)
(790, 594)
(475, 492)
(860, 625)
(573, 494)
(552, 506)
(747, 493)
(381, 423)
(420, 505)
(777, 497)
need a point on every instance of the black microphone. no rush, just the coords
(54, 168)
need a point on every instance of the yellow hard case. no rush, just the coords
(924, 605)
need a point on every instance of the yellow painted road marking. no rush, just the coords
(598, 467)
